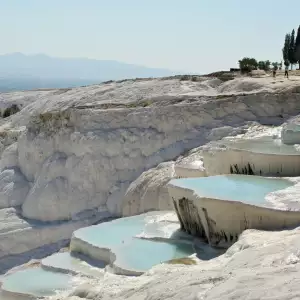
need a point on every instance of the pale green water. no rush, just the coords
(244, 188)
(36, 282)
(266, 145)
(132, 253)
(141, 255)
(66, 262)
(110, 234)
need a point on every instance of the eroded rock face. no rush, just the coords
(84, 147)
(13, 188)
(9, 157)
(149, 191)
(53, 195)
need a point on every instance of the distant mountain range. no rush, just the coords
(26, 72)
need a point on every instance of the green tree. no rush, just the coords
(297, 47)
(264, 65)
(275, 65)
(286, 47)
(291, 51)
(261, 65)
(248, 64)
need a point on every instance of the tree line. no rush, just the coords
(291, 49)
(290, 55)
(248, 64)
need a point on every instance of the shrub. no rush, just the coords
(248, 64)
(10, 111)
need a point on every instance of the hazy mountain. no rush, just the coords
(24, 72)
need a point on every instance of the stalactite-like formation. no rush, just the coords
(200, 225)
(178, 215)
(189, 217)
(246, 170)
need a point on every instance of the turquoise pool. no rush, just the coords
(36, 282)
(243, 188)
(265, 145)
(133, 253)
(65, 262)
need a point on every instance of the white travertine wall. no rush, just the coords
(83, 147)
(220, 161)
(222, 221)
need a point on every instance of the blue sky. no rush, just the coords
(189, 35)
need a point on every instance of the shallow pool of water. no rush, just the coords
(266, 145)
(244, 188)
(36, 282)
(65, 262)
(141, 255)
(134, 253)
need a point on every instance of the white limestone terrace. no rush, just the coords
(261, 265)
(259, 155)
(134, 244)
(219, 208)
(158, 240)
(65, 262)
(71, 153)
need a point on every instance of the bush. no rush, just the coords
(10, 111)
(264, 65)
(185, 77)
(248, 64)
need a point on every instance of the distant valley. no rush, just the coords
(27, 72)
